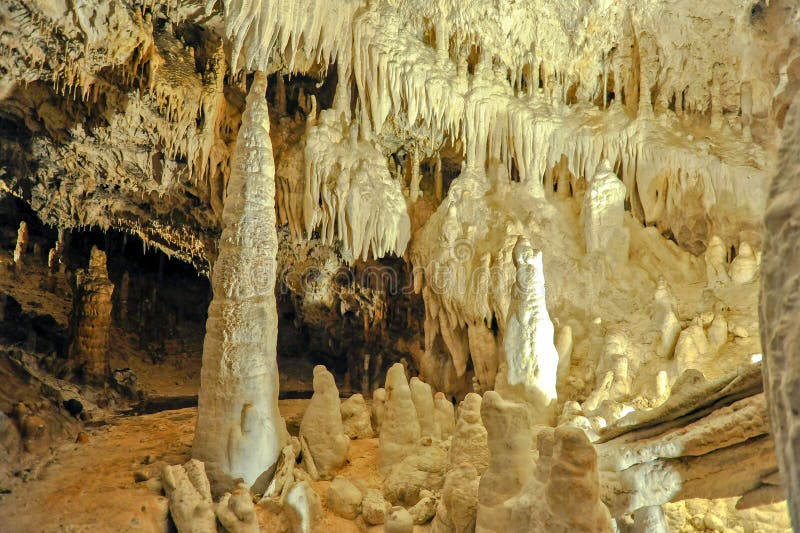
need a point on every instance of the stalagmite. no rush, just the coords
(572, 491)
(460, 151)
(564, 346)
(665, 319)
(744, 266)
(531, 365)
(90, 320)
(420, 471)
(322, 427)
(378, 408)
(458, 507)
(470, 439)
(356, 418)
(189, 494)
(304, 507)
(444, 414)
(239, 430)
(422, 397)
(716, 261)
(400, 430)
(21, 247)
(236, 512)
(603, 214)
(691, 347)
(500, 494)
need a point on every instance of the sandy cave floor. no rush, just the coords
(92, 487)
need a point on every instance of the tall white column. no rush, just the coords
(239, 430)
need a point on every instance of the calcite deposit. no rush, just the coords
(90, 320)
(459, 266)
(239, 429)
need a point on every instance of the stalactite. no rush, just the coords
(349, 194)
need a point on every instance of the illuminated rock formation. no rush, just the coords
(322, 427)
(400, 429)
(22, 244)
(603, 214)
(531, 359)
(239, 430)
(90, 320)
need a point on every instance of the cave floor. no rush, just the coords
(92, 486)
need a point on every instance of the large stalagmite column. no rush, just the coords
(90, 320)
(239, 430)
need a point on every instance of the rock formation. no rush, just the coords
(530, 372)
(378, 408)
(572, 478)
(236, 512)
(680, 449)
(779, 307)
(322, 425)
(398, 520)
(422, 396)
(458, 507)
(444, 415)
(418, 170)
(189, 495)
(603, 214)
(22, 244)
(374, 507)
(470, 438)
(422, 470)
(510, 467)
(344, 498)
(90, 320)
(400, 430)
(304, 507)
(239, 430)
(356, 418)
